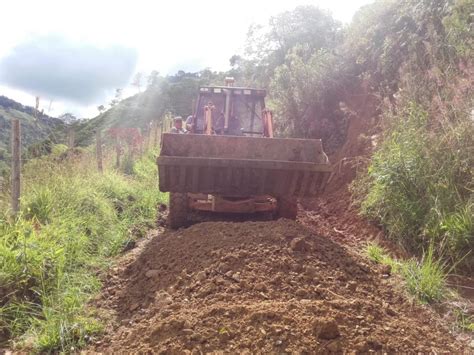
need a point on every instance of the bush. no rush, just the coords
(419, 183)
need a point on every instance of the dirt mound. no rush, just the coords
(260, 287)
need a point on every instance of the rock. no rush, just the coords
(352, 286)
(326, 328)
(301, 293)
(166, 313)
(334, 346)
(234, 288)
(276, 280)
(299, 244)
(201, 276)
(310, 271)
(152, 273)
(219, 281)
(260, 287)
(163, 298)
(362, 347)
(390, 311)
(134, 306)
(471, 344)
(386, 270)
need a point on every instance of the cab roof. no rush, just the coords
(235, 90)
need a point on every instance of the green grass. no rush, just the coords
(73, 219)
(464, 320)
(424, 279)
(379, 255)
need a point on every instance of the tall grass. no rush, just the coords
(420, 183)
(72, 219)
(425, 279)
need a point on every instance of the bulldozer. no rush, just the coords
(230, 162)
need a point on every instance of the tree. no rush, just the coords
(137, 81)
(101, 108)
(117, 98)
(305, 25)
(300, 89)
(68, 117)
(266, 49)
(153, 79)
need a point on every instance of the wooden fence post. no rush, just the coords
(147, 137)
(16, 165)
(117, 151)
(71, 135)
(156, 133)
(98, 141)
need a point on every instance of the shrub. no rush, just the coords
(419, 183)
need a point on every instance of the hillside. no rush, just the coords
(173, 94)
(133, 112)
(32, 130)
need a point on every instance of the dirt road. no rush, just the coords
(276, 286)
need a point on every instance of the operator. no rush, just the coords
(235, 128)
(178, 125)
(189, 123)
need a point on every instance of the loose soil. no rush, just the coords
(275, 286)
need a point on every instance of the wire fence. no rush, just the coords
(113, 149)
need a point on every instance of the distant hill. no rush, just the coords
(32, 130)
(172, 94)
(133, 112)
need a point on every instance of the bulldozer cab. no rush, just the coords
(234, 111)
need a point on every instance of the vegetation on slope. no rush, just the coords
(420, 182)
(33, 129)
(173, 94)
(426, 279)
(72, 220)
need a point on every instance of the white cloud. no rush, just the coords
(55, 66)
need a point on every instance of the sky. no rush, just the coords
(73, 54)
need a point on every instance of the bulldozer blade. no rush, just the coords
(242, 166)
